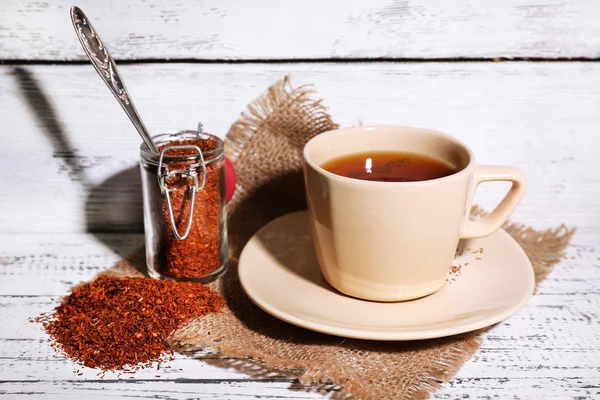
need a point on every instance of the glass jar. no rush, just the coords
(184, 206)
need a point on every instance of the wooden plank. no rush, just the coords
(269, 29)
(230, 390)
(515, 388)
(548, 349)
(473, 388)
(71, 160)
(59, 262)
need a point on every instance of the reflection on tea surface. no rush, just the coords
(389, 166)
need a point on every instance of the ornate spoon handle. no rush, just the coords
(107, 69)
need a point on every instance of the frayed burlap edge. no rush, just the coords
(257, 115)
(544, 248)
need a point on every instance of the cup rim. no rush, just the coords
(426, 131)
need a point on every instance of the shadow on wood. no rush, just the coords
(47, 118)
(112, 206)
(115, 204)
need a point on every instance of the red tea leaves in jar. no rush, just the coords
(203, 252)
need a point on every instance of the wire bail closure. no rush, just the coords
(163, 173)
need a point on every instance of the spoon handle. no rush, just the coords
(107, 69)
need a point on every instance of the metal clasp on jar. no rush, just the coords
(163, 173)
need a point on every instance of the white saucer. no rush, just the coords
(278, 270)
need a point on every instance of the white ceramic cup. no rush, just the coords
(393, 241)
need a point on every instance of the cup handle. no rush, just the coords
(491, 223)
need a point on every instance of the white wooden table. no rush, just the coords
(68, 155)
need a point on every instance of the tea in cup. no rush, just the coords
(389, 204)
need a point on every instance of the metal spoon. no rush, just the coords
(107, 69)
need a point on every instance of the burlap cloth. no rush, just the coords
(266, 146)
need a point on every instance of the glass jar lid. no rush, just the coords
(173, 138)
